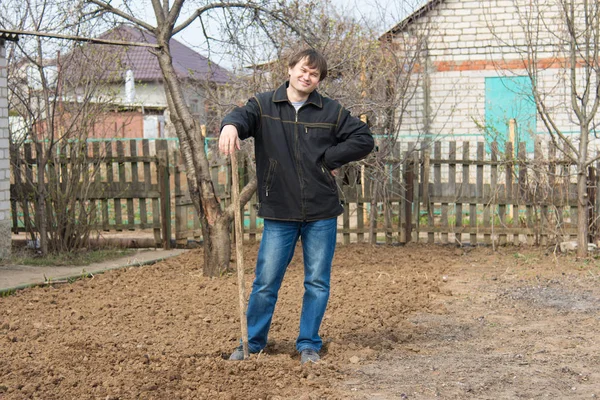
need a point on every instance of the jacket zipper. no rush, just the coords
(316, 125)
(272, 165)
(299, 167)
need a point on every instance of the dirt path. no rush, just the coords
(514, 326)
(414, 322)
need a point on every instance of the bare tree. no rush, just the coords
(558, 43)
(56, 99)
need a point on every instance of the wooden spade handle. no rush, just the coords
(239, 249)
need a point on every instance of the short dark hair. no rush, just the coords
(314, 60)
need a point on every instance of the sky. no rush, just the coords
(384, 13)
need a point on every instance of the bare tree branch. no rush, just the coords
(257, 8)
(160, 12)
(107, 7)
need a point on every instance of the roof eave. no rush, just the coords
(412, 17)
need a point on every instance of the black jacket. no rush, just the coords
(295, 152)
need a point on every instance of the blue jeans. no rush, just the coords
(275, 254)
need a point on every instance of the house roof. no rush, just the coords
(428, 6)
(187, 62)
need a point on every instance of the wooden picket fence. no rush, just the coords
(128, 185)
(449, 192)
(497, 196)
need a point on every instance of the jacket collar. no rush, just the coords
(280, 95)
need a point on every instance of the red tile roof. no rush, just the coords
(187, 62)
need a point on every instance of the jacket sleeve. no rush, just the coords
(354, 141)
(246, 119)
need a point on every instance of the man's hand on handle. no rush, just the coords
(229, 140)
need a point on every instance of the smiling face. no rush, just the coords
(304, 79)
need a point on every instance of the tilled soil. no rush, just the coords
(411, 322)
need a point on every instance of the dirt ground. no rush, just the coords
(411, 322)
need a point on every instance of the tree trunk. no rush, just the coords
(582, 196)
(582, 214)
(41, 213)
(217, 248)
(215, 222)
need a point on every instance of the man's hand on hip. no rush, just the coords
(229, 140)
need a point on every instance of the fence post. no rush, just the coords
(426, 153)
(165, 197)
(591, 192)
(416, 200)
(180, 210)
(437, 185)
(596, 204)
(409, 194)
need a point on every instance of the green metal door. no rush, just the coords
(509, 98)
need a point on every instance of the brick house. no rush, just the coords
(134, 84)
(473, 81)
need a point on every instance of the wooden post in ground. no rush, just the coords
(165, 197)
(239, 249)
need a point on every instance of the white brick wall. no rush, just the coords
(462, 31)
(5, 239)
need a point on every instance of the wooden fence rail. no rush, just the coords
(449, 192)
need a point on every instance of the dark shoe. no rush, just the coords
(238, 354)
(309, 355)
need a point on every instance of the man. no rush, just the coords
(301, 138)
